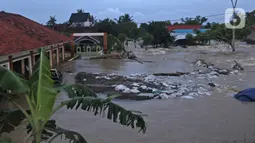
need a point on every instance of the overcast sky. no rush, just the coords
(141, 10)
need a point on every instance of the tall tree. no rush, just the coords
(160, 33)
(52, 21)
(198, 20)
(40, 94)
(147, 39)
(124, 18)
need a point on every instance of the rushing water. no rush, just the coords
(210, 119)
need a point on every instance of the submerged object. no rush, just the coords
(247, 95)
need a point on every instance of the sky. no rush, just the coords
(141, 10)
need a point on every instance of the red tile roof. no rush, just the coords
(174, 27)
(18, 33)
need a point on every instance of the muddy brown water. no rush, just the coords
(210, 119)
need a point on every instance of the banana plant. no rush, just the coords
(40, 94)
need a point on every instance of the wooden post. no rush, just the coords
(57, 51)
(63, 53)
(10, 62)
(105, 43)
(72, 46)
(23, 66)
(51, 57)
(32, 57)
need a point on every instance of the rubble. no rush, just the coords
(159, 85)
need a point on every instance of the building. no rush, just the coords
(180, 31)
(20, 39)
(81, 20)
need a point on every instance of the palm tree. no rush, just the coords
(80, 11)
(41, 94)
(52, 21)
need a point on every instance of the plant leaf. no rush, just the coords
(6, 141)
(44, 95)
(12, 81)
(113, 111)
(79, 90)
(9, 119)
(52, 131)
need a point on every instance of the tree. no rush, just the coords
(189, 38)
(124, 18)
(143, 29)
(107, 25)
(52, 21)
(147, 39)
(122, 37)
(80, 11)
(219, 32)
(40, 95)
(198, 20)
(160, 33)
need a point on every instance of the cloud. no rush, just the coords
(114, 10)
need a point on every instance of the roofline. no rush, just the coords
(47, 47)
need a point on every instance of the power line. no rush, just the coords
(173, 20)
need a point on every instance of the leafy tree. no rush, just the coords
(124, 18)
(147, 39)
(160, 33)
(219, 32)
(143, 29)
(122, 37)
(80, 11)
(107, 25)
(250, 18)
(52, 21)
(41, 95)
(189, 38)
(198, 20)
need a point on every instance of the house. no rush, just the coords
(81, 20)
(180, 31)
(20, 39)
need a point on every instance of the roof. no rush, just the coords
(188, 30)
(18, 33)
(79, 17)
(174, 27)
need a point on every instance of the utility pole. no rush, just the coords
(234, 22)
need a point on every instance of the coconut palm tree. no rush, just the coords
(52, 21)
(40, 95)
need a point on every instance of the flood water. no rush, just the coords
(211, 119)
(217, 118)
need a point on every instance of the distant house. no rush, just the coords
(81, 20)
(180, 31)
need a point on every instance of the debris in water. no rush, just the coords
(187, 97)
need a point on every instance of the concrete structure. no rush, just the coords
(20, 39)
(79, 39)
(180, 31)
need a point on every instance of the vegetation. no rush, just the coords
(40, 95)
(52, 21)
(125, 25)
(147, 39)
